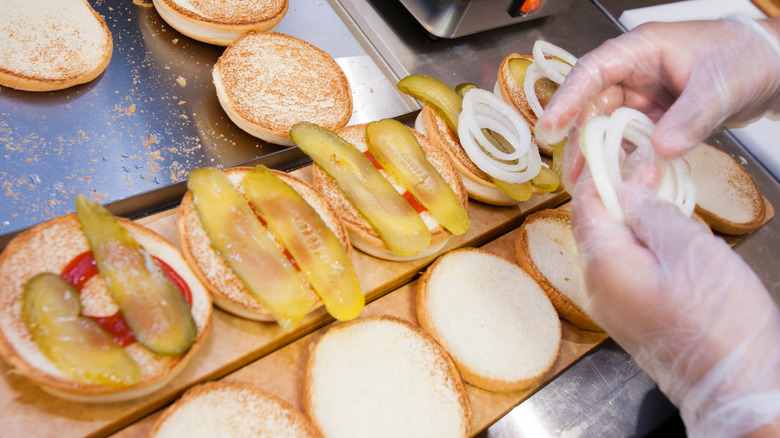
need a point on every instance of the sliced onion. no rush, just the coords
(532, 74)
(484, 110)
(553, 69)
(556, 71)
(602, 145)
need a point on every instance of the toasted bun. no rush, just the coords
(512, 91)
(477, 183)
(268, 81)
(727, 198)
(382, 376)
(236, 410)
(221, 22)
(52, 45)
(49, 247)
(362, 236)
(546, 249)
(228, 291)
(491, 317)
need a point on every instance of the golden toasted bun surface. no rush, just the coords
(513, 92)
(229, 12)
(546, 249)
(727, 197)
(491, 317)
(53, 45)
(221, 22)
(227, 289)
(271, 81)
(236, 410)
(382, 376)
(49, 247)
(360, 230)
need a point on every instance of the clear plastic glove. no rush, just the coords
(686, 307)
(689, 77)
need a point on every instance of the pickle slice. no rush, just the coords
(385, 210)
(546, 181)
(75, 344)
(154, 308)
(436, 94)
(397, 150)
(238, 236)
(464, 88)
(318, 252)
(517, 191)
(544, 87)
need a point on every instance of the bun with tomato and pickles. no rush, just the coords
(488, 141)
(267, 245)
(95, 308)
(397, 192)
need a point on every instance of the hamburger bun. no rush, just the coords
(221, 22)
(228, 291)
(492, 318)
(727, 197)
(382, 376)
(268, 81)
(477, 183)
(362, 236)
(50, 247)
(546, 249)
(238, 410)
(513, 93)
(52, 45)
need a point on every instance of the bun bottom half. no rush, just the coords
(49, 247)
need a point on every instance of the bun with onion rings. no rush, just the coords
(489, 142)
(528, 82)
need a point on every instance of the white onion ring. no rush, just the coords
(551, 70)
(532, 74)
(483, 109)
(542, 67)
(602, 146)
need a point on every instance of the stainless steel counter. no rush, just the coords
(129, 137)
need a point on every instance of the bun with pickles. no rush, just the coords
(397, 192)
(267, 245)
(528, 82)
(95, 308)
(488, 141)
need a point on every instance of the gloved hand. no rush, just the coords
(686, 307)
(690, 78)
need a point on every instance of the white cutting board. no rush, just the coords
(761, 138)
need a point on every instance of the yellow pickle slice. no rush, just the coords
(397, 150)
(318, 252)
(386, 211)
(544, 87)
(75, 344)
(436, 94)
(241, 239)
(154, 308)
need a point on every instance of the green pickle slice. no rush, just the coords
(318, 252)
(385, 210)
(397, 150)
(154, 308)
(75, 344)
(241, 239)
(436, 94)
